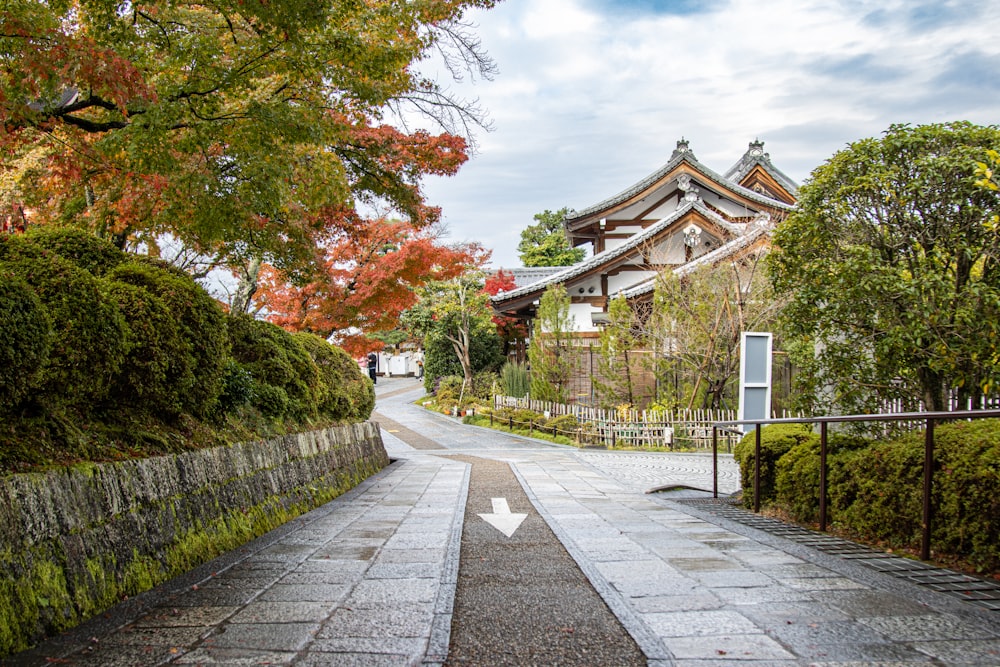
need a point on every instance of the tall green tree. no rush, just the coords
(248, 128)
(551, 351)
(456, 314)
(545, 242)
(892, 267)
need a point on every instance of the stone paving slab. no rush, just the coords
(701, 594)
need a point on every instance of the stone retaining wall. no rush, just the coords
(75, 541)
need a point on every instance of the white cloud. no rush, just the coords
(590, 98)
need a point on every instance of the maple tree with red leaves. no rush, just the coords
(511, 330)
(366, 282)
(244, 129)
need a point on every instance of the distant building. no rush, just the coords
(681, 216)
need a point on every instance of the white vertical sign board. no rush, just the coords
(755, 377)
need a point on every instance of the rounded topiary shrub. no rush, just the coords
(879, 495)
(797, 474)
(775, 441)
(98, 256)
(237, 387)
(347, 393)
(90, 337)
(198, 368)
(276, 359)
(148, 378)
(25, 339)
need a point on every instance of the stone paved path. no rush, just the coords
(370, 578)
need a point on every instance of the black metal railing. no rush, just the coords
(927, 418)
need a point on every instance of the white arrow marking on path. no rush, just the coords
(502, 519)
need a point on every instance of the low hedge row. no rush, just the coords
(106, 350)
(875, 488)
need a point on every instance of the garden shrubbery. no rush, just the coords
(107, 354)
(875, 487)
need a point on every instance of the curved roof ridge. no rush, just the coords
(676, 159)
(601, 257)
(756, 155)
(740, 242)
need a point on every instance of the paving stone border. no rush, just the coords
(978, 591)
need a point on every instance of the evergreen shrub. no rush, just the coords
(280, 366)
(797, 473)
(879, 493)
(26, 335)
(237, 387)
(775, 441)
(90, 338)
(346, 393)
(198, 370)
(79, 247)
(145, 381)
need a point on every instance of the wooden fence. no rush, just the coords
(680, 429)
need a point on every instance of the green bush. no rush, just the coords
(80, 247)
(25, 340)
(515, 379)
(879, 494)
(271, 400)
(797, 479)
(565, 425)
(346, 393)
(198, 371)
(277, 361)
(775, 441)
(146, 381)
(483, 384)
(90, 335)
(449, 390)
(237, 387)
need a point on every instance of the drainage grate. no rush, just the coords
(981, 592)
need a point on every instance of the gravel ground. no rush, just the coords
(522, 600)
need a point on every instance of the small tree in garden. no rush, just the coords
(550, 353)
(696, 325)
(456, 311)
(618, 339)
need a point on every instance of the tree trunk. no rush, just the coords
(247, 287)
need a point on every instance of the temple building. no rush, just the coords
(681, 216)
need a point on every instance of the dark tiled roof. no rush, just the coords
(755, 155)
(571, 272)
(678, 157)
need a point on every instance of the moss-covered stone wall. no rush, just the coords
(75, 541)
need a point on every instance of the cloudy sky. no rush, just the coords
(592, 95)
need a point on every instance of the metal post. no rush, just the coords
(925, 542)
(756, 469)
(715, 462)
(822, 476)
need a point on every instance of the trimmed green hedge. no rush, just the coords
(286, 380)
(25, 340)
(346, 392)
(197, 371)
(106, 355)
(90, 338)
(775, 442)
(875, 489)
(149, 378)
(79, 247)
